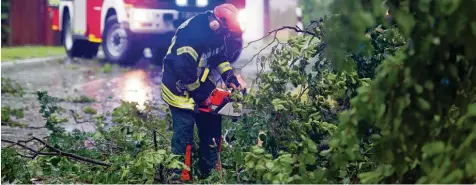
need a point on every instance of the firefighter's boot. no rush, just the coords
(179, 176)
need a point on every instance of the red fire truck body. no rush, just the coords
(124, 27)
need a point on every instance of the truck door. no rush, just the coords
(79, 18)
(93, 14)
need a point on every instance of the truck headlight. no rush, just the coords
(139, 15)
(181, 2)
(242, 18)
(202, 3)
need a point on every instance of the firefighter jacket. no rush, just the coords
(195, 51)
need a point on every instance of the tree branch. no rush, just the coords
(302, 92)
(155, 139)
(56, 152)
(275, 31)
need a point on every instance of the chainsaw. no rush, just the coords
(221, 103)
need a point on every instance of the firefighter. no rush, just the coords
(198, 47)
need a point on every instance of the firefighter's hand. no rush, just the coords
(239, 88)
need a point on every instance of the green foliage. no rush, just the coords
(13, 167)
(90, 110)
(11, 87)
(48, 108)
(296, 107)
(421, 98)
(107, 68)
(33, 51)
(81, 99)
(7, 112)
(313, 9)
(127, 145)
(53, 2)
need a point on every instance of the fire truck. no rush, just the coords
(125, 27)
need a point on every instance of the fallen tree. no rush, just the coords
(351, 100)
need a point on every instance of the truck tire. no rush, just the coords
(77, 47)
(117, 44)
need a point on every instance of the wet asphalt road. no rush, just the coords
(73, 78)
(64, 78)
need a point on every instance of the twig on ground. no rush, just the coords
(73, 113)
(161, 135)
(56, 152)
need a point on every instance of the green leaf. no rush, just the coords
(258, 150)
(277, 103)
(423, 104)
(433, 148)
(418, 88)
(405, 21)
(287, 158)
(310, 159)
(311, 146)
(455, 176)
(472, 109)
(269, 164)
(324, 153)
(260, 165)
(268, 176)
(162, 152)
(250, 164)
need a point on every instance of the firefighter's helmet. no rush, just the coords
(228, 14)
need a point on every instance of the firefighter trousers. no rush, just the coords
(209, 132)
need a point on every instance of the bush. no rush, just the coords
(421, 101)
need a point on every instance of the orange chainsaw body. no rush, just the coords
(217, 98)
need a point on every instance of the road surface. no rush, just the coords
(72, 78)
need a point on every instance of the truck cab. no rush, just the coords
(124, 27)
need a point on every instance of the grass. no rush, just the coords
(81, 99)
(7, 112)
(90, 110)
(107, 68)
(11, 87)
(25, 52)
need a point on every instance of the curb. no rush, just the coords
(32, 60)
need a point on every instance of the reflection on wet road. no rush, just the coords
(136, 87)
(138, 83)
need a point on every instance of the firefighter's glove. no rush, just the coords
(235, 85)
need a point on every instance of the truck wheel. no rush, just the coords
(117, 45)
(77, 47)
